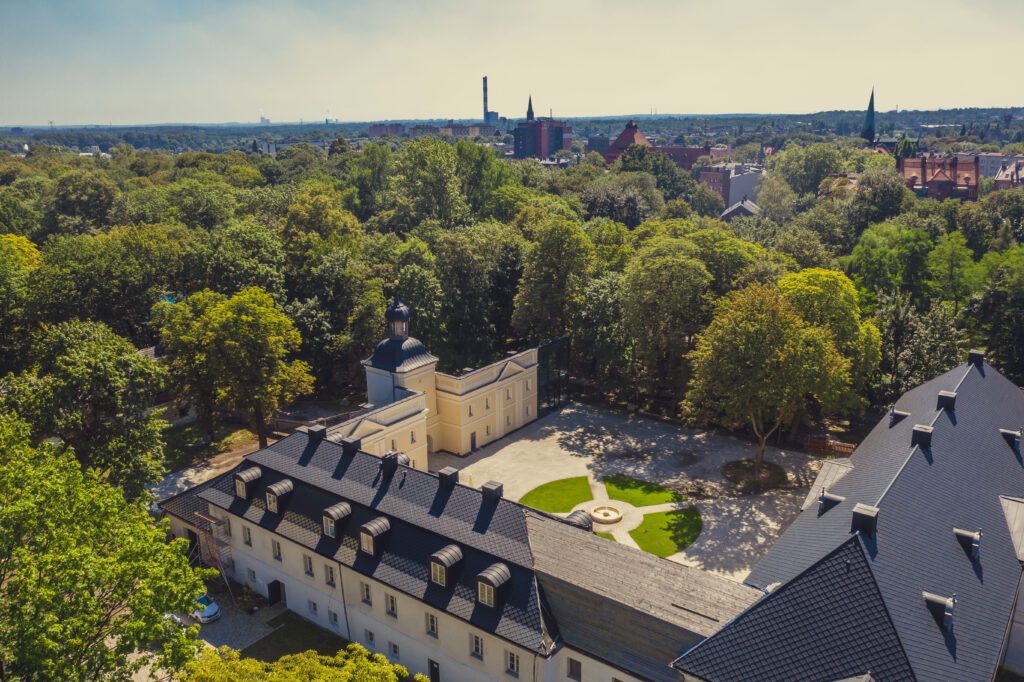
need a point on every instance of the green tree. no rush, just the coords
(598, 334)
(998, 312)
(86, 577)
(205, 201)
(481, 173)
(426, 186)
(803, 168)
(353, 664)
(368, 174)
(803, 245)
(952, 269)
(419, 288)
(664, 304)
(629, 198)
(706, 201)
(82, 201)
(245, 342)
(776, 199)
(757, 363)
(91, 389)
(246, 253)
(555, 272)
(18, 260)
(673, 182)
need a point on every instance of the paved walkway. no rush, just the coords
(581, 440)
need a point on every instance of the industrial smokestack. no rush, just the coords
(485, 99)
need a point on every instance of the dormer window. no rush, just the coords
(442, 562)
(371, 534)
(246, 480)
(333, 516)
(277, 495)
(489, 584)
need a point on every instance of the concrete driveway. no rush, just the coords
(582, 440)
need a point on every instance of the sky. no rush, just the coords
(211, 61)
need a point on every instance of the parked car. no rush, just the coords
(207, 610)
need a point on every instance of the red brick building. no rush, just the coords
(684, 157)
(629, 136)
(941, 177)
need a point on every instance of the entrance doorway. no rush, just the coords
(435, 671)
(275, 592)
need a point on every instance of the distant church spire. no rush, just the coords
(868, 133)
(529, 109)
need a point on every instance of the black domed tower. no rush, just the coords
(395, 357)
(398, 316)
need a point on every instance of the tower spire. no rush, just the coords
(529, 109)
(868, 132)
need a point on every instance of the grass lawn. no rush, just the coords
(181, 450)
(293, 634)
(558, 496)
(665, 533)
(639, 493)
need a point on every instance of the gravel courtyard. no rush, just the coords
(582, 440)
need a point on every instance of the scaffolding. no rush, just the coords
(215, 547)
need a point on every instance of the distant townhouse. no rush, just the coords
(386, 130)
(1009, 176)
(941, 177)
(733, 181)
(989, 163)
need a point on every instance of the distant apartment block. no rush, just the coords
(387, 129)
(941, 177)
(733, 181)
(422, 130)
(540, 138)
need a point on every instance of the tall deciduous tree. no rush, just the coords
(757, 363)
(239, 347)
(353, 664)
(91, 389)
(86, 577)
(952, 269)
(555, 271)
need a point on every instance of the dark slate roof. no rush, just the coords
(423, 518)
(843, 630)
(399, 355)
(626, 607)
(743, 207)
(187, 504)
(921, 495)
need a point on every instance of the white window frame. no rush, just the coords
(371, 639)
(329, 575)
(476, 646)
(431, 624)
(307, 565)
(568, 668)
(438, 574)
(272, 503)
(251, 575)
(365, 542)
(332, 617)
(247, 536)
(240, 488)
(390, 605)
(394, 651)
(512, 663)
(485, 593)
(313, 607)
(275, 548)
(365, 593)
(330, 530)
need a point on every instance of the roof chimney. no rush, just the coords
(947, 401)
(492, 491)
(1012, 438)
(828, 500)
(970, 541)
(921, 436)
(976, 357)
(941, 609)
(448, 477)
(896, 416)
(389, 462)
(350, 445)
(865, 519)
(316, 433)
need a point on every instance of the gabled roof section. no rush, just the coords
(828, 623)
(831, 472)
(961, 478)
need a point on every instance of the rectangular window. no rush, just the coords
(371, 642)
(329, 574)
(512, 663)
(412, 436)
(364, 591)
(240, 488)
(527, 384)
(312, 606)
(227, 527)
(393, 650)
(432, 625)
(508, 394)
(437, 574)
(391, 605)
(251, 575)
(393, 444)
(276, 547)
(470, 410)
(527, 410)
(487, 430)
(332, 616)
(272, 503)
(307, 564)
(366, 542)
(487, 403)
(476, 646)
(329, 527)
(508, 420)
(247, 535)
(485, 593)
(575, 670)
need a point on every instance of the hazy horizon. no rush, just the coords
(123, 63)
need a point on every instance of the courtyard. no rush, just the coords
(582, 456)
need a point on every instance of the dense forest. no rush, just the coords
(264, 278)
